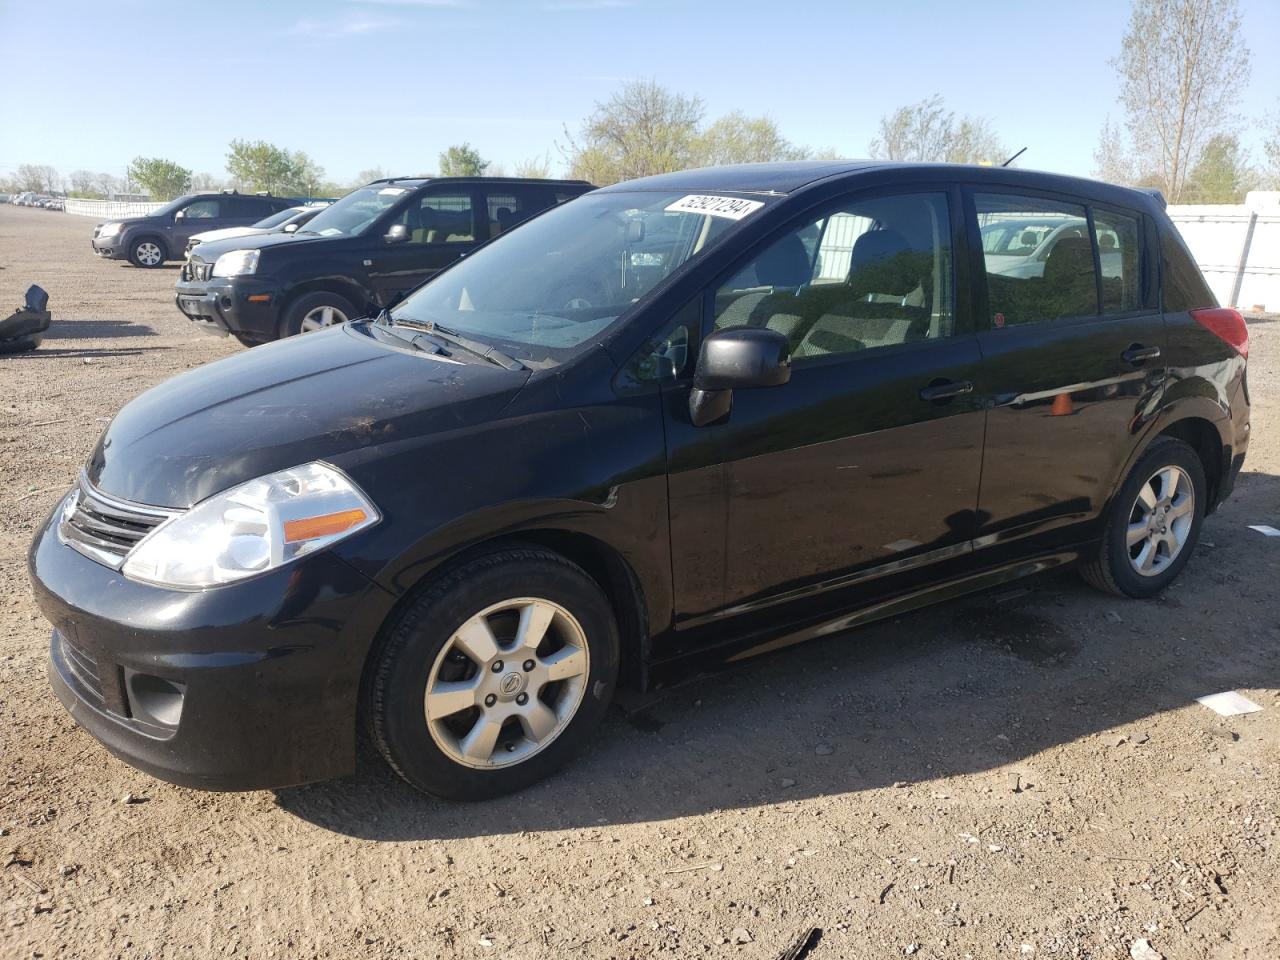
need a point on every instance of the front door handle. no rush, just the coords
(1138, 354)
(943, 390)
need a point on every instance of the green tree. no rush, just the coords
(462, 160)
(162, 179)
(737, 138)
(641, 130)
(1182, 66)
(930, 133)
(1271, 150)
(258, 165)
(1222, 173)
(307, 176)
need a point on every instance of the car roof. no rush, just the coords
(792, 176)
(420, 181)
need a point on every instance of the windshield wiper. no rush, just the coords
(482, 350)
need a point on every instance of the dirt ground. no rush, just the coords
(1024, 773)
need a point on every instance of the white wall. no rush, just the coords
(1216, 235)
(110, 209)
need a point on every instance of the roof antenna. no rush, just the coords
(1014, 157)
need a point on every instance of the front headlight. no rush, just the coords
(236, 263)
(109, 229)
(252, 528)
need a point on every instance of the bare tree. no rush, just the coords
(1181, 66)
(642, 129)
(1271, 150)
(538, 168)
(928, 132)
(737, 138)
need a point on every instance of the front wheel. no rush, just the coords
(495, 676)
(1153, 523)
(146, 253)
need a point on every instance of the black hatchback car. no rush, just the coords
(697, 416)
(150, 240)
(357, 256)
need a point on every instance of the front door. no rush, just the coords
(1071, 343)
(441, 225)
(198, 216)
(868, 461)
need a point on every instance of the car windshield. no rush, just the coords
(284, 216)
(172, 207)
(558, 283)
(359, 208)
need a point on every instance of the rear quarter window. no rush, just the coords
(1182, 286)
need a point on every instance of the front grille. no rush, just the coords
(81, 665)
(104, 528)
(197, 270)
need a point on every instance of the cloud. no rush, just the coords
(587, 4)
(341, 27)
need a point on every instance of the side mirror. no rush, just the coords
(737, 358)
(396, 233)
(290, 228)
(180, 215)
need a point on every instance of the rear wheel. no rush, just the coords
(315, 311)
(1153, 524)
(495, 676)
(146, 252)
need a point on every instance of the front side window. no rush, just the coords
(1119, 256)
(869, 274)
(440, 218)
(1039, 259)
(560, 282)
(201, 210)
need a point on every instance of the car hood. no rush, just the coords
(226, 233)
(211, 250)
(314, 397)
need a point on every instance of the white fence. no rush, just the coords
(1237, 247)
(110, 209)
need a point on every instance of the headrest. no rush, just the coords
(875, 246)
(1070, 258)
(785, 264)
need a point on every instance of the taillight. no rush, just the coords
(1226, 324)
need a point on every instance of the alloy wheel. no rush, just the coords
(149, 254)
(321, 317)
(507, 683)
(1160, 521)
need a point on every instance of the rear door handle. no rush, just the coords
(1137, 354)
(942, 390)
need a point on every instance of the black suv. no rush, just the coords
(151, 240)
(693, 417)
(355, 257)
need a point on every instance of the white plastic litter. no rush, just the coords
(1263, 529)
(1229, 704)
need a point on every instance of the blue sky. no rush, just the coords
(390, 83)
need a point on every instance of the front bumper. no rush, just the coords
(110, 248)
(249, 686)
(247, 307)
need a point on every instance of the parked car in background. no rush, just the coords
(5, 197)
(357, 256)
(555, 467)
(288, 220)
(150, 240)
(1018, 247)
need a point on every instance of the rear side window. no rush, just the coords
(510, 205)
(867, 274)
(1039, 259)
(1118, 236)
(1181, 284)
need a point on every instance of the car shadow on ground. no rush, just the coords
(87, 353)
(980, 685)
(95, 329)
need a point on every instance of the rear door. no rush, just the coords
(868, 461)
(1071, 341)
(443, 225)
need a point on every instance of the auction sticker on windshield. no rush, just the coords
(731, 208)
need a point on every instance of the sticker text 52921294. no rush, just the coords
(731, 208)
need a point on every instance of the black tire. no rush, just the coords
(246, 341)
(21, 344)
(294, 314)
(396, 680)
(141, 255)
(1110, 570)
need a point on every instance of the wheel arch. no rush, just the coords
(348, 290)
(601, 562)
(1200, 424)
